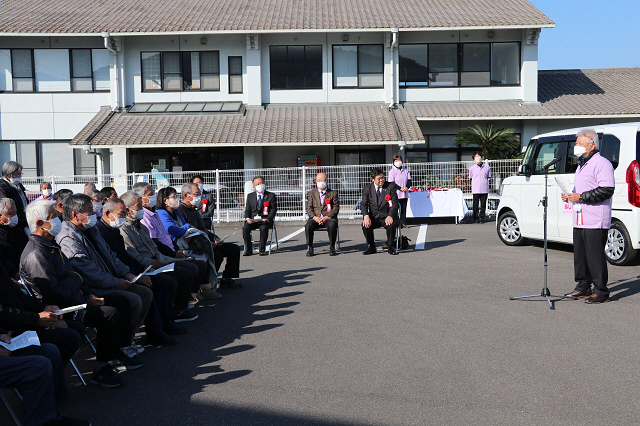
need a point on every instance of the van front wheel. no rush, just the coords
(619, 250)
(509, 229)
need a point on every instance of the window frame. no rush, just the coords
(71, 76)
(229, 58)
(181, 54)
(460, 66)
(358, 72)
(33, 74)
(304, 46)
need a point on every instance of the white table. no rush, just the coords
(437, 204)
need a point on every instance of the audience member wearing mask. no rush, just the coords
(259, 213)
(59, 197)
(12, 237)
(46, 193)
(96, 200)
(323, 205)
(208, 205)
(11, 187)
(176, 225)
(190, 207)
(401, 177)
(479, 174)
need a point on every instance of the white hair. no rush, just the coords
(129, 197)
(5, 203)
(590, 134)
(39, 210)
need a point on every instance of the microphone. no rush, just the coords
(554, 161)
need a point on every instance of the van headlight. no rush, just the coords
(500, 188)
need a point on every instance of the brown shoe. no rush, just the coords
(596, 298)
(576, 293)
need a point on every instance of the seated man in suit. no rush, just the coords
(379, 207)
(259, 213)
(323, 206)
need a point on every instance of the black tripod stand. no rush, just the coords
(545, 290)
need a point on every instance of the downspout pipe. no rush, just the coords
(394, 44)
(107, 44)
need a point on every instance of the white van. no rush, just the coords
(520, 213)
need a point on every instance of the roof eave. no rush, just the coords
(526, 117)
(258, 31)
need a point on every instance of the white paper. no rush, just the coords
(141, 274)
(28, 338)
(71, 309)
(565, 185)
(167, 268)
(222, 239)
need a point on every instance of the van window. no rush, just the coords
(546, 152)
(609, 149)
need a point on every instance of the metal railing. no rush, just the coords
(290, 184)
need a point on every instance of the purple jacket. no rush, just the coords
(156, 229)
(597, 171)
(400, 177)
(480, 178)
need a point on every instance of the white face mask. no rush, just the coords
(56, 226)
(579, 151)
(138, 214)
(398, 164)
(322, 185)
(46, 193)
(152, 201)
(195, 201)
(92, 221)
(200, 187)
(16, 180)
(97, 207)
(260, 188)
(175, 203)
(118, 223)
(478, 160)
(13, 221)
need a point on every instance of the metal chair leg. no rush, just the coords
(73, 364)
(11, 412)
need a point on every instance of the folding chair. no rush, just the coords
(273, 231)
(337, 247)
(398, 236)
(27, 290)
(8, 406)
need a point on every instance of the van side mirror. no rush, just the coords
(523, 169)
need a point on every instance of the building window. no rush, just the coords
(22, 70)
(460, 65)
(81, 70)
(235, 74)
(359, 66)
(180, 71)
(295, 67)
(50, 158)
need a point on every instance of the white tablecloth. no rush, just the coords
(437, 204)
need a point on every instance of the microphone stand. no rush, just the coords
(545, 290)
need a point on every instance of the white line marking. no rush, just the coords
(288, 237)
(422, 237)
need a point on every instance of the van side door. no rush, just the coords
(532, 190)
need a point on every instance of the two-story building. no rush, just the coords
(92, 87)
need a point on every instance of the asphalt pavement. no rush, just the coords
(428, 337)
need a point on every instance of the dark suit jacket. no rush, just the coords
(315, 209)
(379, 210)
(251, 209)
(7, 190)
(18, 312)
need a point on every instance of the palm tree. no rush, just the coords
(494, 144)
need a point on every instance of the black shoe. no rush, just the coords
(229, 283)
(186, 315)
(126, 363)
(310, 251)
(247, 253)
(263, 253)
(172, 328)
(160, 338)
(332, 251)
(392, 251)
(370, 250)
(107, 377)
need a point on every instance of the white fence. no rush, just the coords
(290, 184)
